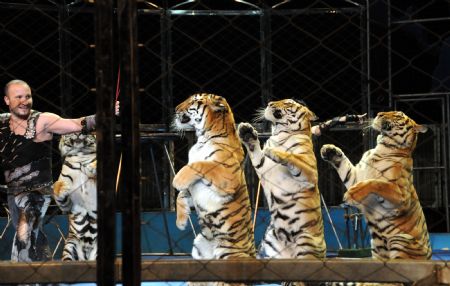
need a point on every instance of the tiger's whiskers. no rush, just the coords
(181, 132)
(366, 126)
(259, 115)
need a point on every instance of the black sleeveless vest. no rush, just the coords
(26, 164)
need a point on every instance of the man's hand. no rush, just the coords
(117, 109)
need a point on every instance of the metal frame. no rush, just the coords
(251, 270)
(106, 209)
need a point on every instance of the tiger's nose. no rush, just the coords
(277, 113)
(386, 126)
(185, 118)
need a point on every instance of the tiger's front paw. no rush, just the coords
(348, 199)
(178, 184)
(248, 135)
(91, 170)
(58, 188)
(275, 156)
(184, 201)
(182, 180)
(182, 220)
(331, 153)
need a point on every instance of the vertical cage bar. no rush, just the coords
(378, 49)
(64, 59)
(369, 141)
(266, 55)
(131, 196)
(105, 142)
(446, 160)
(166, 62)
(389, 51)
(167, 94)
(364, 57)
(365, 66)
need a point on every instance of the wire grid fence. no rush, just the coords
(322, 52)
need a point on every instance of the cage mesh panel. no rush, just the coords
(218, 55)
(313, 62)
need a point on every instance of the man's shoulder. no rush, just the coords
(4, 117)
(47, 115)
(45, 120)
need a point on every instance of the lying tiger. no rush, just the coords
(381, 186)
(287, 170)
(75, 192)
(213, 181)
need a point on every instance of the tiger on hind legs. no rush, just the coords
(381, 186)
(287, 169)
(213, 182)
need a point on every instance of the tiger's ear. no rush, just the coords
(219, 106)
(420, 128)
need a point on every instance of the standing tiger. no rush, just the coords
(213, 181)
(381, 186)
(287, 169)
(75, 192)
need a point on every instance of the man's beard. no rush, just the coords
(21, 115)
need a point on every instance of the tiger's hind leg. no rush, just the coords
(203, 248)
(219, 283)
(405, 246)
(272, 247)
(293, 284)
(92, 254)
(72, 249)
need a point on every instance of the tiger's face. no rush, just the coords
(77, 143)
(289, 114)
(201, 111)
(399, 127)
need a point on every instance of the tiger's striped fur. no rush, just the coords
(213, 181)
(287, 169)
(381, 186)
(75, 192)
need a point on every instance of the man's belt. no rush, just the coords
(44, 189)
